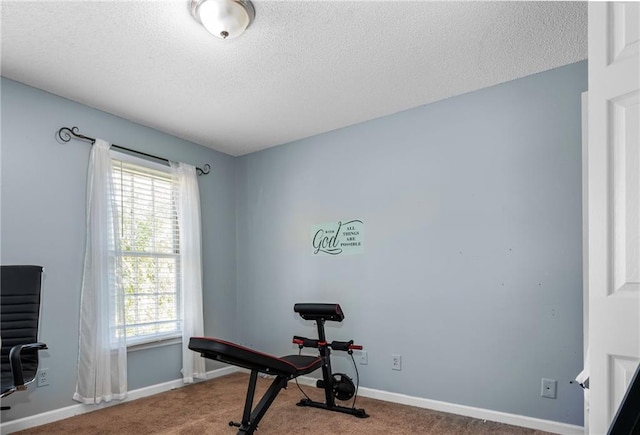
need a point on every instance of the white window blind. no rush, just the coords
(150, 251)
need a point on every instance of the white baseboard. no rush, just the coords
(70, 411)
(452, 408)
(468, 411)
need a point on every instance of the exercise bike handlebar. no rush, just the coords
(335, 345)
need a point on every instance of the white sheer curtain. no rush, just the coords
(188, 206)
(102, 355)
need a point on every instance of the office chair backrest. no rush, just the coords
(19, 314)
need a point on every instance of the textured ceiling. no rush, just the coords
(302, 68)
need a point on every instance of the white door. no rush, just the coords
(613, 195)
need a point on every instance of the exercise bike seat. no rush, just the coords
(290, 366)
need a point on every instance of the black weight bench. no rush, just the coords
(336, 385)
(284, 368)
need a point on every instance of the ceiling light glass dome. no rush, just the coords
(225, 19)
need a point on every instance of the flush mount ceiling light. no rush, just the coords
(224, 19)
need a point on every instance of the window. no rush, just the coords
(150, 250)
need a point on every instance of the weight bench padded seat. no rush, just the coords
(290, 366)
(284, 368)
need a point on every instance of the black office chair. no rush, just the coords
(20, 312)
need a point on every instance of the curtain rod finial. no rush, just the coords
(204, 170)
(64, 134)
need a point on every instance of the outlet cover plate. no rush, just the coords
(396, 362)
(548, 388)
(364, 358)
(43, 378)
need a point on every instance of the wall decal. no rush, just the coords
(337, 238)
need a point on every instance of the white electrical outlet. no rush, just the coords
(364, 358)
(43, 378)
(396, 362)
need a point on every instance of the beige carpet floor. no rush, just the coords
(207, 407)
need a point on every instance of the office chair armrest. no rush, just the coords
(16, 361)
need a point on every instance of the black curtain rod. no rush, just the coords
(65, 134)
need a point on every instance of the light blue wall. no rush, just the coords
(472, 265)
(43, 222)
(472, 262)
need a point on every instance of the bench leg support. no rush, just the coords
(250, 419)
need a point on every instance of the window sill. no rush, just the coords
(153, 343)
